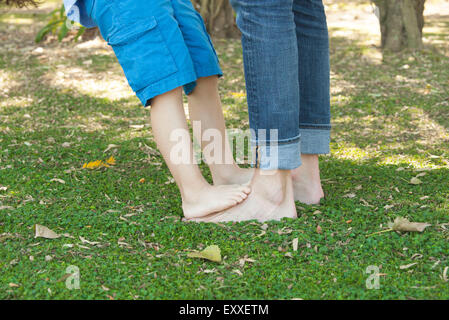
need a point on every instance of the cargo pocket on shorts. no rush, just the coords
(143, 53)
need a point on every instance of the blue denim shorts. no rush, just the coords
(160, 44)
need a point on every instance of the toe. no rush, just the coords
(246, 189)
(238, 198)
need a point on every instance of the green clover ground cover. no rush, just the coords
(122, 224)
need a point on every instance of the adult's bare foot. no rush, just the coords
(211, 199)
(306, 180)
(271, 198)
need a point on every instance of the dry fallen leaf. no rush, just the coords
(111, 161)
(318, 229)
(403, 224)
(84, 240)
(58, 180)
(44, 232)
(415, 181)
(13, 285)
(295, 244)
(408, 265)
(238, 272)
(211, 253)
(111, 146)
(95, 165)
(445, 274)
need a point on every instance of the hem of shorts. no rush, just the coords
(207, 72)
(162, 86)
(202, 73)
(315, 141)
(280, 157)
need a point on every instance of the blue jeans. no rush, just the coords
(286, 59)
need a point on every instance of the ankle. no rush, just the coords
(272, 184)
(191, 193)
(224, 173)
(309, 169)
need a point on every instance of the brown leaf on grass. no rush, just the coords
(415, 181)
(84, 240)
(211, 253)
(238, 272)
(403, 224)
(44, 232)
(295, 244)
(406, 266)
(245, 259)
(111, 146)
(445, 274)
(318, 229)
(14, 285)
(58, 180)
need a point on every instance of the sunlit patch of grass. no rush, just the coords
(416, 161)
(351, 153)
(16, 102)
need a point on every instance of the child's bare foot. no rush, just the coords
(306, 180)
(212, 199)
(271, 198)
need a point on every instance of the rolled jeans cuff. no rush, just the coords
(283, 156)
(315, 141)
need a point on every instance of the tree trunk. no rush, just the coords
(218, 17)
(401, 23)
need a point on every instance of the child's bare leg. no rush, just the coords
(205, 107)
(198, 197)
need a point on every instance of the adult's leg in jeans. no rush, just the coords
(271, 72)
(314, 117)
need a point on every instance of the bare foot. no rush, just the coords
(306, 180)
(271, 198)
(212, 199)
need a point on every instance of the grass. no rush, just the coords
(390, 125)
